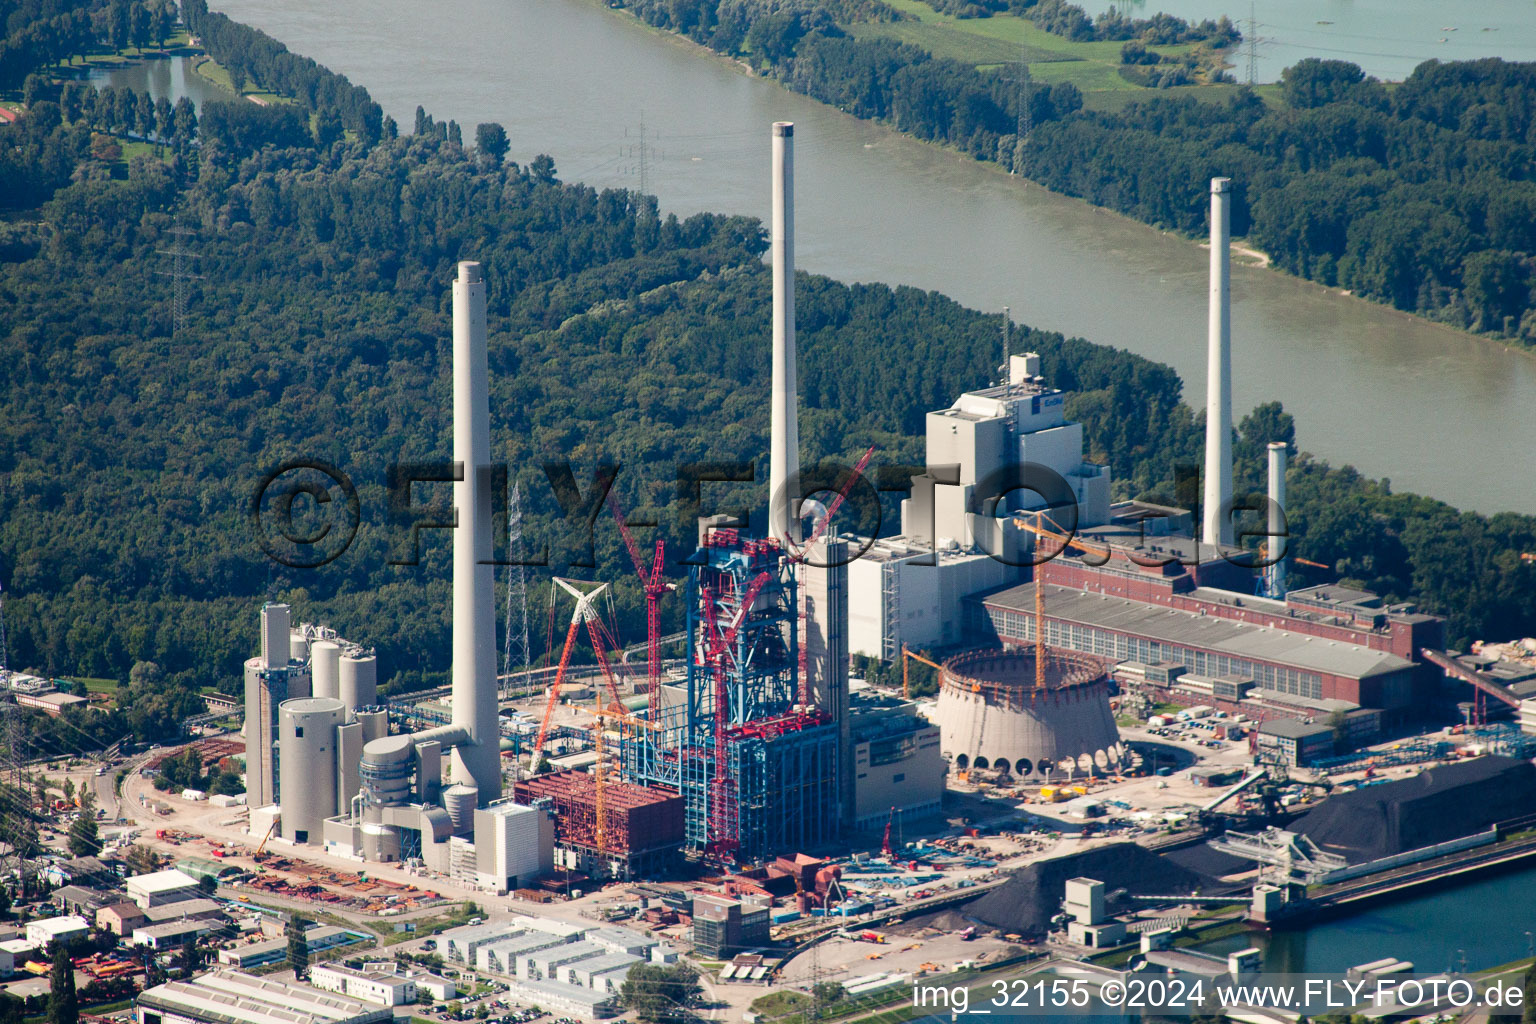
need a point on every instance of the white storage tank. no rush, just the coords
(325, 660)
(386, 770)
(375, 724)
(460, 802)
(358, 680)
(380, 842)
(306, 736)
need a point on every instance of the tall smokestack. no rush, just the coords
(474, 613)
(784, 442)
(1218, 375)
(1277, 544)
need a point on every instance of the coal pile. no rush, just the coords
(1435, 806)
(1027, 901)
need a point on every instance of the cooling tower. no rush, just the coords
(991, 716)
(477, 763)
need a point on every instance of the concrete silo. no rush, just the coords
(307, 765)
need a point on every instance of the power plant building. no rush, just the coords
(991, 443)
(897, 765)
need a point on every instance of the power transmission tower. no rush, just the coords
(516, 649)
(180, 274)
(1253, 44)
(642, 154)
(1023, 93)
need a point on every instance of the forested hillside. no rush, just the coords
(319, 328)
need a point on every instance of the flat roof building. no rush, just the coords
(233, 997)
(161, 887)
(383, 987)
(172, 934)
(57, 929)
(320, 938)
(1294, 743)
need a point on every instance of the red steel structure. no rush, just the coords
(651, 582)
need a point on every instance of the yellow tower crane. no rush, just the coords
(906, 675)
(600, 775)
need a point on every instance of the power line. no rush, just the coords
(1253, 44)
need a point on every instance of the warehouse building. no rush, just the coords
(57, 929)
(319, 938)
(1290, 742)
(722, 927)
(1122, 629)
(232, 997)
(161, 887)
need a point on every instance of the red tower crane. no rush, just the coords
(885, 845)
(654, 587)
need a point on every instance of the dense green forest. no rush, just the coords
(1421, 196)
(318, 328)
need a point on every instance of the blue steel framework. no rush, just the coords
(758, 772)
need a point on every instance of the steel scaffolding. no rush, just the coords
(757, 771)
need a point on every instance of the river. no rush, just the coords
(1453, 928)
(1387, 38)
(574, 79)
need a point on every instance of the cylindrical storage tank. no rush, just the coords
(325, 667)
(358, 681)
(274, 635)
(307, 765)
(298, 645)
(460, 802)
(375, 724)
(380, 842)
(386, 769)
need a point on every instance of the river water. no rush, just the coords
(1387, 38)
(1434, 410)
(1448, 929)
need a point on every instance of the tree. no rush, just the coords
(659, 994)
(84, 837)
(191, 957)
(141, 860)
(63, 1006)
(298, 945)
(491, 139)
(207, 885)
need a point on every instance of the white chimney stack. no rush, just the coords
(1276, 545)
(474, 614)
(1218, 375)
(784, 430)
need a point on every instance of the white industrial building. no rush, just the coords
(907, 590)
(897, 764)
(232, 997)
(569, 967)
(57, 929)
(383, 987)
(161, 887)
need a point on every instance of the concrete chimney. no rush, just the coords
(474, 614)
(1276, 544)
(784, 430)
(1217, 513)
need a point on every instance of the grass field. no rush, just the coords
(216, 73)
(1005, 38)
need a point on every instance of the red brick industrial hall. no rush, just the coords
(1149, 602)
